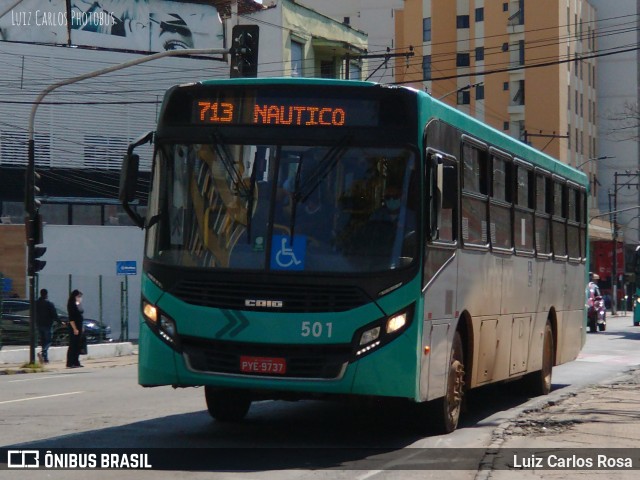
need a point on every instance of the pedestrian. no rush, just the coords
(46, 314)
(75, 311)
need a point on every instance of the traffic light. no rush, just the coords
(244, 51)
(32, 192)
(38, 265)
(33, 224)
(34, 228)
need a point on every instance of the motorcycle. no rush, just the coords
(597, 315)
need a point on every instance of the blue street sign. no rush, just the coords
(126, 267)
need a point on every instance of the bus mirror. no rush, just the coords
(129, 177)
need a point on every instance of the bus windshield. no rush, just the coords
(304, 208)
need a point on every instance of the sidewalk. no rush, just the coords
(102, 355)
(567, 435)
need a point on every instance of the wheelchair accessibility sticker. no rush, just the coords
(285, 256)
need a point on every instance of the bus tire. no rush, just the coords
(539, 382)
(227, 405)
(445, 411)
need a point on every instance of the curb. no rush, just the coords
(20, 356)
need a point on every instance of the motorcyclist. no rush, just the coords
(593, 290)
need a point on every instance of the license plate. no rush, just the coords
(267, 365)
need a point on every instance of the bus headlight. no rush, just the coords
(638, 299)
(381, 332)
(167, 325)
(162, 324)
(150, 312)
(396, 322)
(370, 335)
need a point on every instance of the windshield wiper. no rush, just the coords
(227, 161)
(294, 202)
(325, 166)
(251, 196)
(327, 163)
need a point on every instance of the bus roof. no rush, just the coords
(501, 140)
(438, 109)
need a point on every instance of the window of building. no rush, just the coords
(12, 212)
(297, 50)
(480, 92)
(505, 86)
(505, 7)
(479, 14)
(521, 52)
(426, 67)
(462, 21)
(505, 126)
(426, 29)
(505, 47)
(463, 60)
(55, 213)
(86, 215)
(518, 98)
(327, 69)
(355, 72)
(479, 53)
(464, 97)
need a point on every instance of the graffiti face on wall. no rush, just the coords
(132, 25)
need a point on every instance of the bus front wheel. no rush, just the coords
(444, 413)
(227, 405)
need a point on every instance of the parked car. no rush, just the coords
(14, 326)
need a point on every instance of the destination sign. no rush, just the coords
(305, 113)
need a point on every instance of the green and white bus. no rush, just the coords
(312, 238)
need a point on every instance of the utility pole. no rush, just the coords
(614, 260)
(32, 222)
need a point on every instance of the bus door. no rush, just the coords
(439, 270)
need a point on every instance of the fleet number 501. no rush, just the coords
(316, 329)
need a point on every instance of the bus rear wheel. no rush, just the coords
(227, 405)
(539, 383)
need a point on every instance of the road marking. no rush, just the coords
(39, 398)
(38, 378)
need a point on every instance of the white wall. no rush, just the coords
(92, 121)
(85, 253)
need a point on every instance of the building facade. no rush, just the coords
(618, 115)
